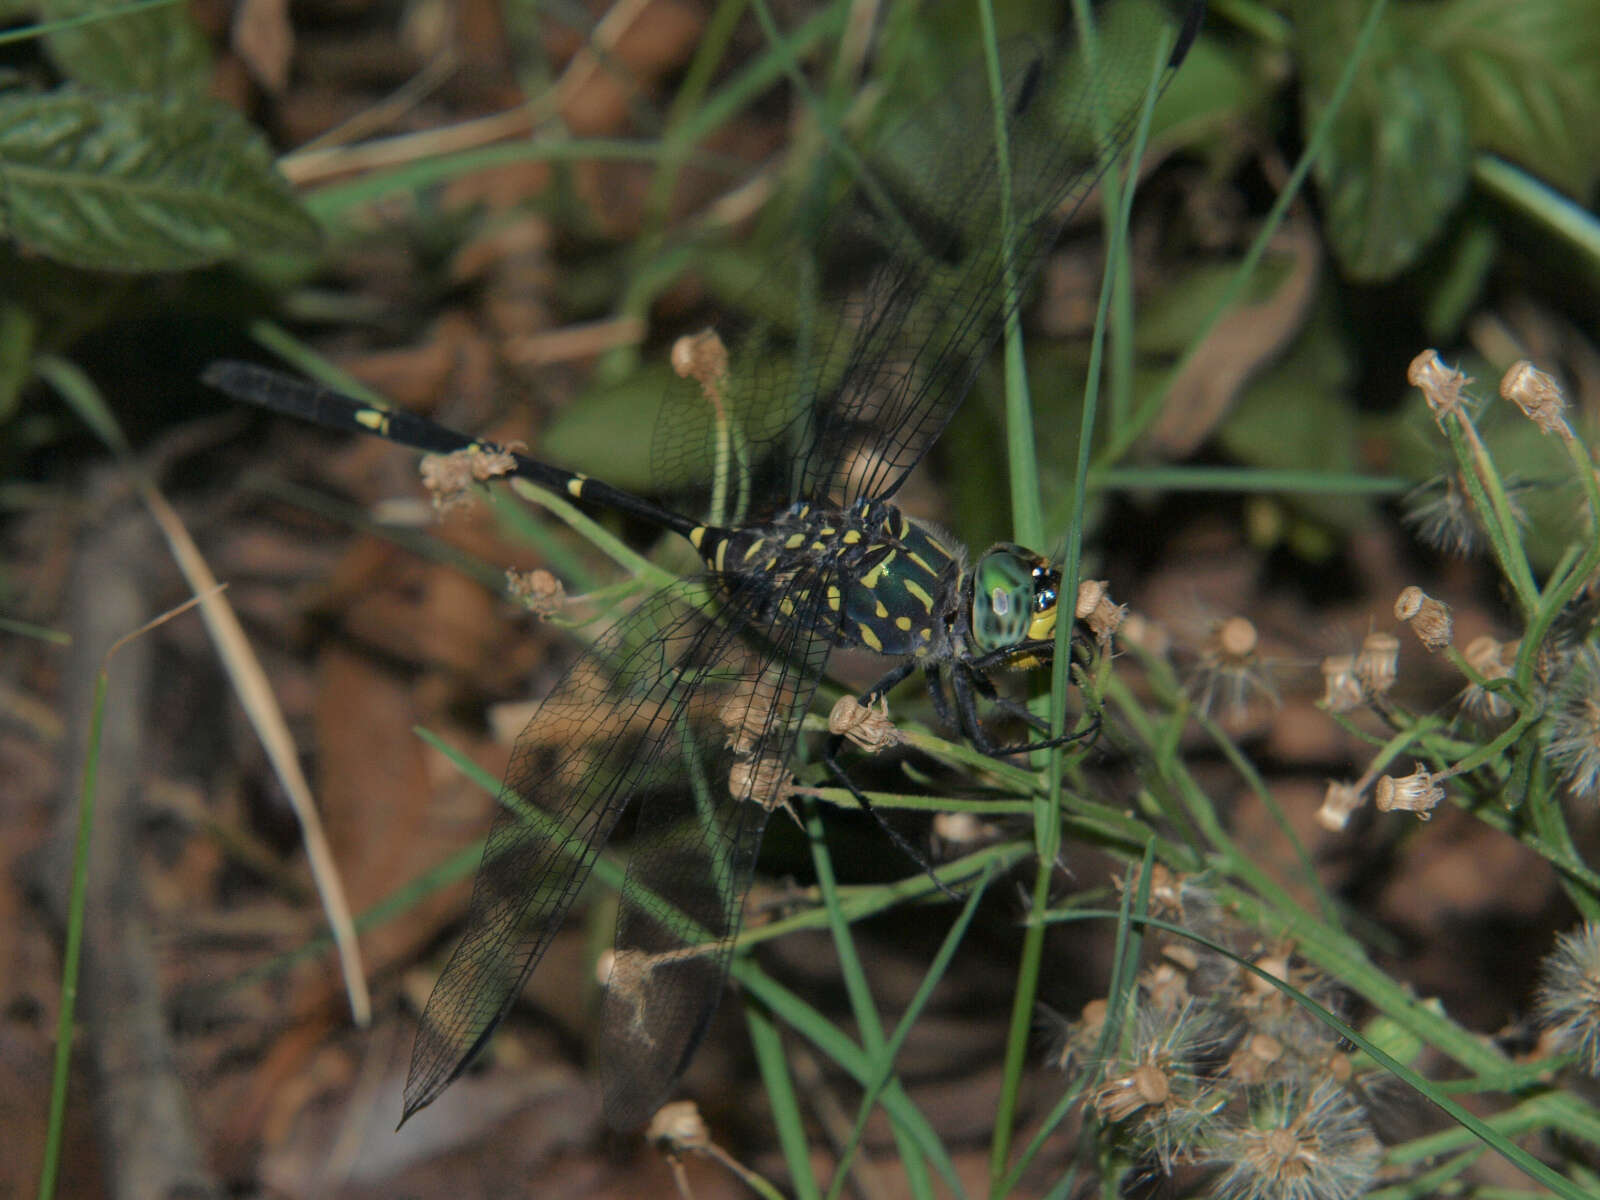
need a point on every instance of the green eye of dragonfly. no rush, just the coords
(1013, 598)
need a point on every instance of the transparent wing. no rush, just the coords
(695, 850)
(635, 719)
(890, 314)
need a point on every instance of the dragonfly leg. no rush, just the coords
(968, 682)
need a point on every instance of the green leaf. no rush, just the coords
(1530, 76)
(1397, 161)
(155, 50)
(132, 183)
(1296, 416)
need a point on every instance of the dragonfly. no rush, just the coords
(687, 709)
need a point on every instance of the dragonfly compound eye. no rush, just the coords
(1003, 598)
(1046, 589)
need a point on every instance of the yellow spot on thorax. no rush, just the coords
(922, 597)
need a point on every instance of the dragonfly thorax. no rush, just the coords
(872, 576)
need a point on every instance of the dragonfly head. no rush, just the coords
(1014, 595)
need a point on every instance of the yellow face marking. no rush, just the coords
(575, 487)
(696, 535)
(374, 419)
(903, 624)
(852, 536)
(1043, 626)
(880, 611)
(833, 597)
(868, 638)
(913, 587)
(794, 541)
(754, 548)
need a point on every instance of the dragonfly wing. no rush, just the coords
(880, 324)
(695, 849)
(926, 320)
(609, 733)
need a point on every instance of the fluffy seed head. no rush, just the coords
(1301, 1143)
(1569, 995)
(1574, 737)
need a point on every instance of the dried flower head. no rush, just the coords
(1167, 890)
(1339, 803)
(1231, 669)
(1302, 1142)
(448, 478)
(679, 1127)
(1097, 610)
(1378, 663)
(1574, 725)
(1493, 660)
(1341, 690)
(866, 727)
(538, 589)
(1416, 792)
(1444, 388)
(1569, 995)
(1539, 397)
(1429, 618)
(703, 358)
(961, 829)
(1255, 1059)
(1140, 632)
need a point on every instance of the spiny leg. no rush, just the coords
(967, 682)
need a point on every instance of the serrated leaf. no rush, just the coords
(1397, 161)
(157, 51)
(1529, 73)
(132, 183)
